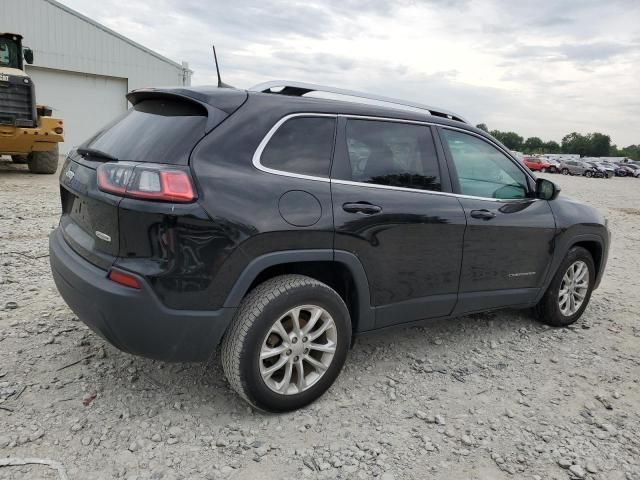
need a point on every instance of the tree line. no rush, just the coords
(589, 145)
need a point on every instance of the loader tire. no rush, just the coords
(44, 162)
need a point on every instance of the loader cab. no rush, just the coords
(12, 54)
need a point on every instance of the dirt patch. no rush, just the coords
(630, 211)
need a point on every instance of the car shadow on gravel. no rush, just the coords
(376, 356)
(8, 168)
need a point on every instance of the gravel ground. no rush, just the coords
(493, 396)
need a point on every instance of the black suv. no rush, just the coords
(279, 226)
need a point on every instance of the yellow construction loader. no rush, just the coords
(28, 132)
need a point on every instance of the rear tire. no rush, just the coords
(20, 159)
(266, 323)
(588, 174)
(44, 162)
(550, 308)
(565, 171)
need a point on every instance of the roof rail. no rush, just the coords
(298, 89)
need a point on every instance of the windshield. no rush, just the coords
(9, 55)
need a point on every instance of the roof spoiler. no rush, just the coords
(214, 115)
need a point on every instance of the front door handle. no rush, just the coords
(484, 214)
(365, 208)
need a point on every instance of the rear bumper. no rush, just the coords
(132, 320)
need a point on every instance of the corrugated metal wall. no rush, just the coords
(64, 41)
(82, 70)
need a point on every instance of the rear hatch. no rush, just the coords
(162, 127)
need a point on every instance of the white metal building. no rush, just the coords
(83, 69)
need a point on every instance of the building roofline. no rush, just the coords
(115, 34)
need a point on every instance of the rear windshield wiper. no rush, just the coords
(97, 154)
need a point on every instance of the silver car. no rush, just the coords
(607, 170)
(577, 167)
(554, 165)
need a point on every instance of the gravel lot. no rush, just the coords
(492, 396)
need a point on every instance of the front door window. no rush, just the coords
(484, 171)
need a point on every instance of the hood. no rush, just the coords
(15, 72)
(577, 211)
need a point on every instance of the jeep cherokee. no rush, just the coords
(277, 226)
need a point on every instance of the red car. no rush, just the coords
(536, 163)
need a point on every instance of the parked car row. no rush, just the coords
(588, 167)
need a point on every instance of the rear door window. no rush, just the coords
(393, 154)
(301, 145)
(161, 130)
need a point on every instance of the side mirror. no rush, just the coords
(28, 55)
(546, 189)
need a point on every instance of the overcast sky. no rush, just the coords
(543, 67)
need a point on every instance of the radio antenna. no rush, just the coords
(221, 84)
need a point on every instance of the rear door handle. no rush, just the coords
(365, 208)
(483, 214)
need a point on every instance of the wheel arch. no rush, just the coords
(595, 247)
(592, 242)
(341, 270)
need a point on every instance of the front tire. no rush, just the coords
(568, 294)
(565, 171)
(287, 343)
(588, 174)
(44, 162)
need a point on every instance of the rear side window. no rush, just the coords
(160, 130)
(394, 154)
(301, 145)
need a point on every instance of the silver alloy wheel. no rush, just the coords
(298, 349)
(573, 288)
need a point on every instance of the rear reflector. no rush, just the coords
(146, 181)
(123, 279)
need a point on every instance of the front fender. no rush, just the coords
(577, 223)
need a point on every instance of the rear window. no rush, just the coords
(160, 130)
(301, 145)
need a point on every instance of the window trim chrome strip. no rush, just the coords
(263, 143)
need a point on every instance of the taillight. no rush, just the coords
(146, 181)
